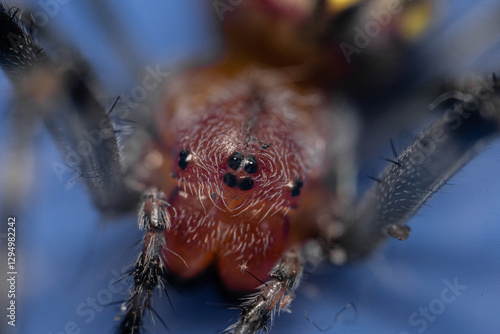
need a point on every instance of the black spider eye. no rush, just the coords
(183, 159)
(297, 184)
(229, 180)
(234, 161)
(251, 165)
(246, 184)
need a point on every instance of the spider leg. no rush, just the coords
(61, 97)
(275, 295)
(422, 168)
(149, 270)
(18, 55)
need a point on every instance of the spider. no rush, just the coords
(397, 318)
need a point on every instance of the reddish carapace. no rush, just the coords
(236, 153)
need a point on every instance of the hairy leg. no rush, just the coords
(59, 95)
(424, 166)
(275, 295)
(149, 270)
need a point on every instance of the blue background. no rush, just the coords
(67, 253)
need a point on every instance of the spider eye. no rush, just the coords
(234, 161)
(229, 180)
(297, 184)
(246, 184)
(251, 165)
(184, 158)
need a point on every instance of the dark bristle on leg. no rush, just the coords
(275, 295)
(149, 270)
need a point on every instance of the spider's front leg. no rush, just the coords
(275, 295)
(424, 166)
(59, 94)
(149, 270)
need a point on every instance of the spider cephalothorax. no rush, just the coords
(242, 151)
